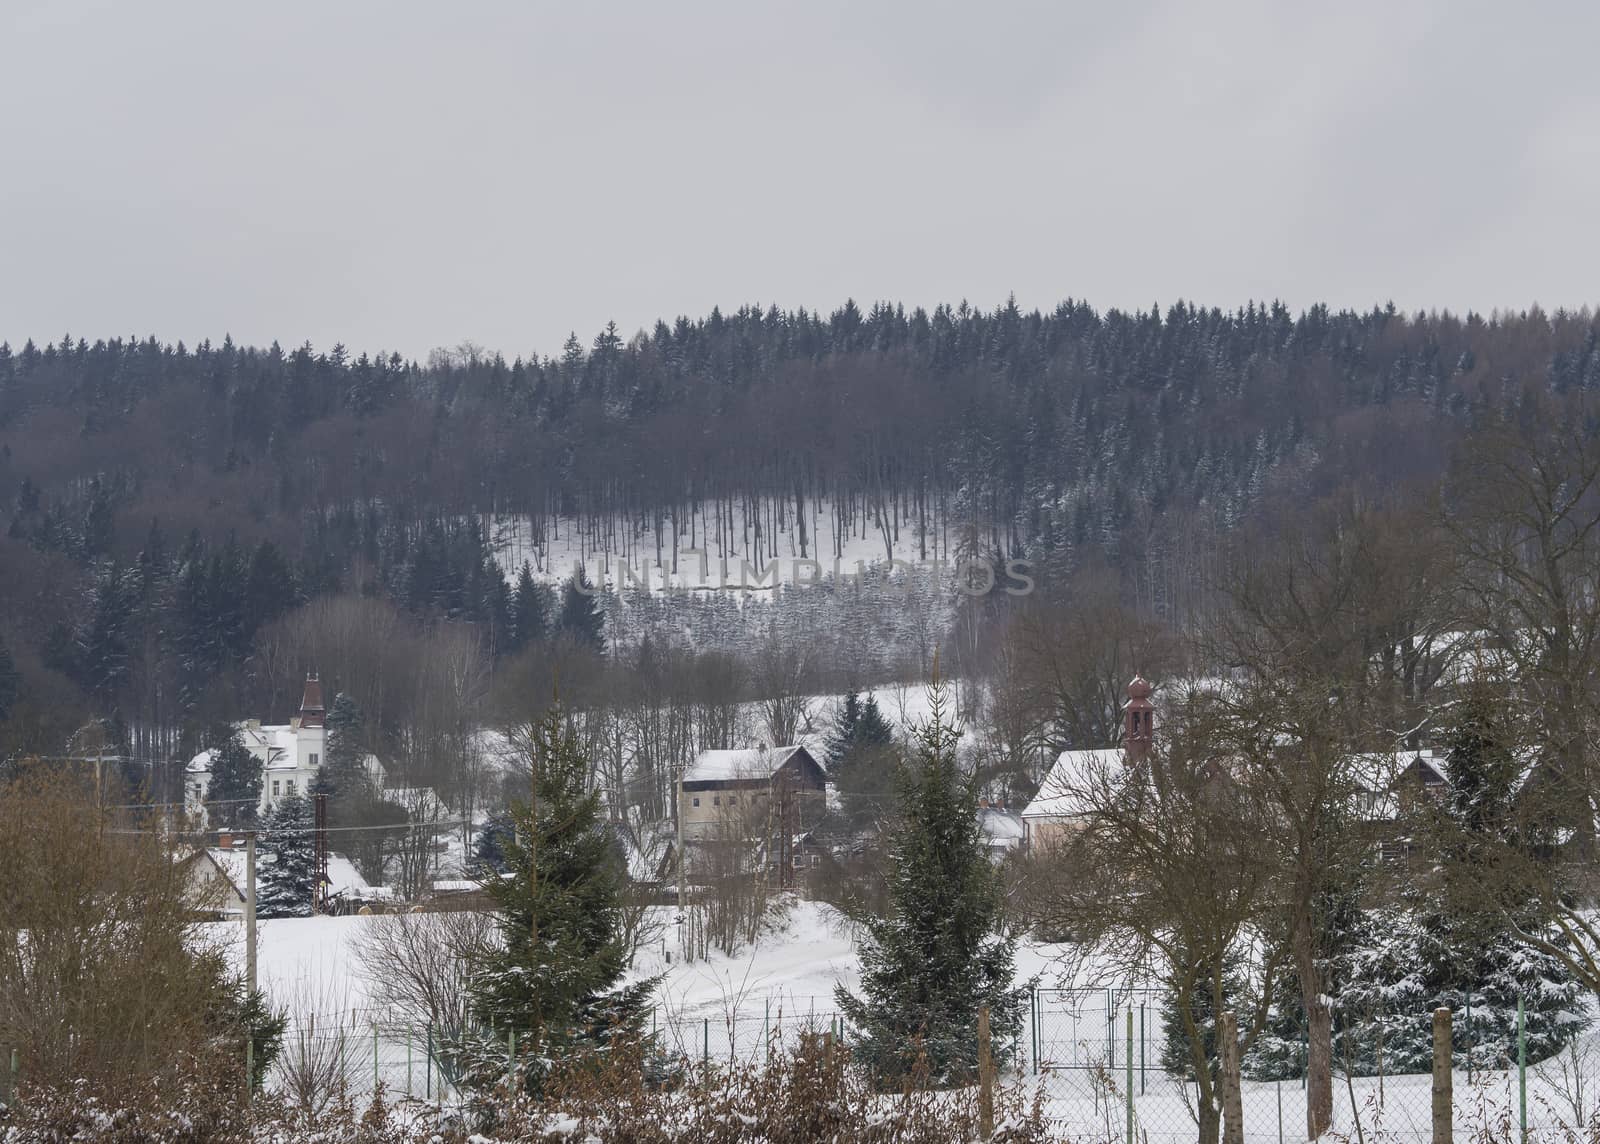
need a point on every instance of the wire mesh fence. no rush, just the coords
(357, 1053)
(1095, 1055)
(742, 1033)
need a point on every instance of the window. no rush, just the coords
(697, 800)
(716, 800)
(274, 788)
(733, 799)
(291, 786)
(199, 791)
(315, 758)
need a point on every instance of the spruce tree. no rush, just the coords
(1470, 947)
(928, 966)
(1175, 1054)
(1457, 949)
(581, 619)
(288, 874)
(528, 622)
(355, 803)
(235, 790)
(861, 758)
(843, 736)
(343, 771)
(553, 981)
(489, 848)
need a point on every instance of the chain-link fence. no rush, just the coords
(742, 1033)
(1099, 1057)
(358, 1051)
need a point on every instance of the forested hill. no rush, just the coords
(269, 477)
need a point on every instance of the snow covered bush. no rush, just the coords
(816, 1091)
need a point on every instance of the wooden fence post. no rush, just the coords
(1442, 1061)
(1232, 1100)
(985, 1077)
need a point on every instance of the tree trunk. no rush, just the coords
(1210, 1121)
(1319, 1063)
(1232, 1098)
(1442, 1077)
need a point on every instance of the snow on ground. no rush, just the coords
(310, 964)
(726, 1007)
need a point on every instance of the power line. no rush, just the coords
(398, 826)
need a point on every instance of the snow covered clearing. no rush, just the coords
(725, 1008)
(697, 554)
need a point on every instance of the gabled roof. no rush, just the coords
(751, 763)
(344, 878)
(1064, 792)
(228, 866)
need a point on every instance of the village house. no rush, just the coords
(1389, 791)
(1062, 798)
(751, 810)
(743, 791)
(290, 754)
(214, 881)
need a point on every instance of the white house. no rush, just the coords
(290, 754)
(215, 880)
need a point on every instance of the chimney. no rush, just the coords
(224, 842)
(311, 710)
(1138, 722)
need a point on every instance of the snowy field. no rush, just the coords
(725, 1008)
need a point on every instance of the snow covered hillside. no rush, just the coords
(872, 592)
(711, 547)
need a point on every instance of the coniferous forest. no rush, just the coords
(184, 530)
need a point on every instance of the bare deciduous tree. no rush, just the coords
(1163, 871)
(418, 964)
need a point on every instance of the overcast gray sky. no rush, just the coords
(408, 175)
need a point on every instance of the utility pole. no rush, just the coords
(683, 892)
(250, 911)
(319, 895)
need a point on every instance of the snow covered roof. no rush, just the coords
(275, 743)
(422, 803)
(1065, 790)
(344, 878)
(751, 763)
(1380, 775)
(232, 863)
(1002, 828)
(455, 886)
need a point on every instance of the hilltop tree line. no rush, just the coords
(168, 509)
